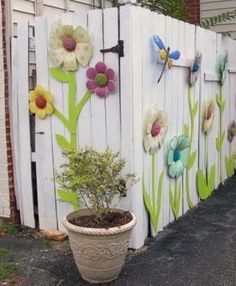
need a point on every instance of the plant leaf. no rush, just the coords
(186, 130)
(222, 106)
(229, 165)
(191, 160)
(70, 197)
(148, 205)
(59, 74)
(62, 142)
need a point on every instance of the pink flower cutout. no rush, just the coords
(100, 79)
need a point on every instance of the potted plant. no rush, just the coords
(98, 234)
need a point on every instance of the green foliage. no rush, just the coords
(7, 270)
(186, 130)
(3, 251)
(205, 187)
(218, 19)
(95, 177)
(70, 197)
(153, 204)
(229, 165)
(220, 141)
(9, 229)
(46, 243)
(173, 8)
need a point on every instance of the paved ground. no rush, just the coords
(199, 250)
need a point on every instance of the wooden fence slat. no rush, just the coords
(98, 105)
(24, 130)
(43, 137)
(15, 121)
(110, 23)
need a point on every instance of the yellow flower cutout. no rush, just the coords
(40, 102)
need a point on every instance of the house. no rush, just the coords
(203, 9)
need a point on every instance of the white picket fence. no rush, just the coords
(118, 120)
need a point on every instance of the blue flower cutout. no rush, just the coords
(195, 68)
(178, 155)
(223, 68)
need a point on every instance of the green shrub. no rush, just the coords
(96, 177)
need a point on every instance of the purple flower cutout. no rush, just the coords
(231, 131)
(100, 79)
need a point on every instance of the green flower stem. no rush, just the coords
(153, 180)
(221, 113)
(191, 114)
(206, 156)
(189, 200)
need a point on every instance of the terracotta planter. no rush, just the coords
(98, 252)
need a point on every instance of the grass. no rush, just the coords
(7, 270)
(3, 251)
(9, 229)
(47, 243)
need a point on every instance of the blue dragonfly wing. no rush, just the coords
(157, 40)
(175, 55)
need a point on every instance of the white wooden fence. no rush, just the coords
(118, 120)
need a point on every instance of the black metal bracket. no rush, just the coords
(118, 49)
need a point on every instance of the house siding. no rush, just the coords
(28, 9)
(209, 8)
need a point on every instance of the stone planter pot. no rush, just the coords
(98, 252)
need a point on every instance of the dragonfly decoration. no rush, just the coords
(166, 56)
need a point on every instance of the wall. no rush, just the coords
(7, 197)
(193, 11)
(209, 8)
(28, 9)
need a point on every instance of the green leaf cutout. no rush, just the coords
(219, 100)
(175, 198)
(223, 106)
(195, 109)
(186, 130)
(60, 75)
(62, 142)
(229, 165)
(218, 144)
(154, 207)
(191, 160)
(222, 137)
(205, 188)
(70, 197)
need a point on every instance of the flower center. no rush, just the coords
(69, 44)
(196, 67)
(40, 102)
(163, 54)
(209, 113)
(100, 80)
(156, 128)
(176, 156)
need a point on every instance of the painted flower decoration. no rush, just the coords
(178, 155)
(69, 46)
(195, 68)
(40, 102)
(155, 130)
(101, 79)
(208, 115)
(223, 68)
(232, 131)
